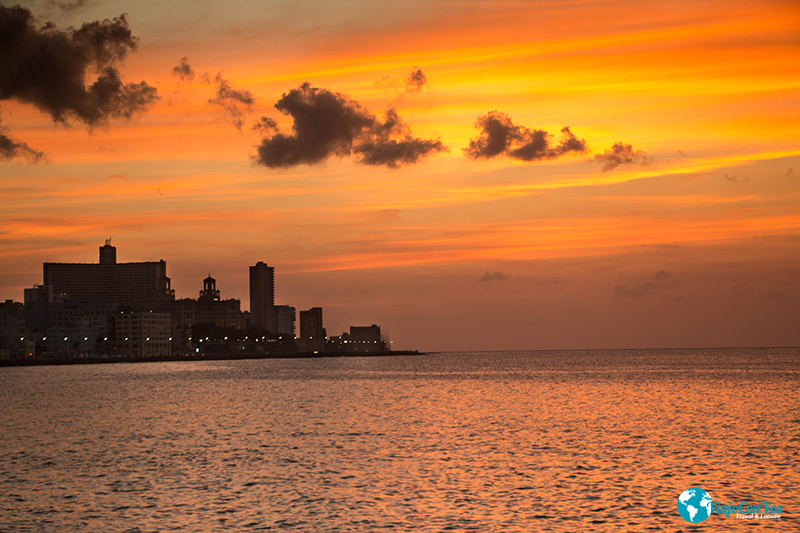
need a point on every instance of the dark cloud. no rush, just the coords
(660, 281)
(498, 132)
(410, 84)
(232, 99)
(394, 153)
(184, 70)
(621, 154)
(49, 67)
(416, 80)
(499, 135)
(493, 276)
(377, 147)
(10, 149)
(265, 125)
(331, 124)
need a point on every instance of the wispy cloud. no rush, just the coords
(66, 6)
(9, 148)
(660, 281)
(232, 100)
(621, 154)
(184, 70)
(412, 83)
(494, 276)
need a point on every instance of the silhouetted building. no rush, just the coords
(39, 293)
(37, 300)
(207, 309)
(183, 315)
(312, 334)
(107, 281)
(13, 343)
(143, 334)
(285, 315)
(181, 337)
(209, 292)
(165, 290)
(62, 313)
(367, 337)
(78, 336)
(262, 297)
(363, 339)
(212, 310)
(80, 305)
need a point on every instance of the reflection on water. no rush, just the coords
(525, 441)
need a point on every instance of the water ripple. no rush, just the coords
(545, 441)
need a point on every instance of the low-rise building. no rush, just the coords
(286, 320)
(12, 330)
(143, 334)
(79, 336)
(361, 339)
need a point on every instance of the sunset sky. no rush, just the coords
(470, 217)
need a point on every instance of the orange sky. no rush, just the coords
(708, 93)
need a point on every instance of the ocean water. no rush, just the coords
(505, 441)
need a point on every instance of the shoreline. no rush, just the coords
(212, 357)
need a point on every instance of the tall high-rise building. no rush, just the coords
(262, 297)
(107, 281)
(312, 334)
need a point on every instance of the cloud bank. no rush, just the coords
(330, 124)
(499, 135)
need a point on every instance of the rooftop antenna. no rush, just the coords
(108, 241)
